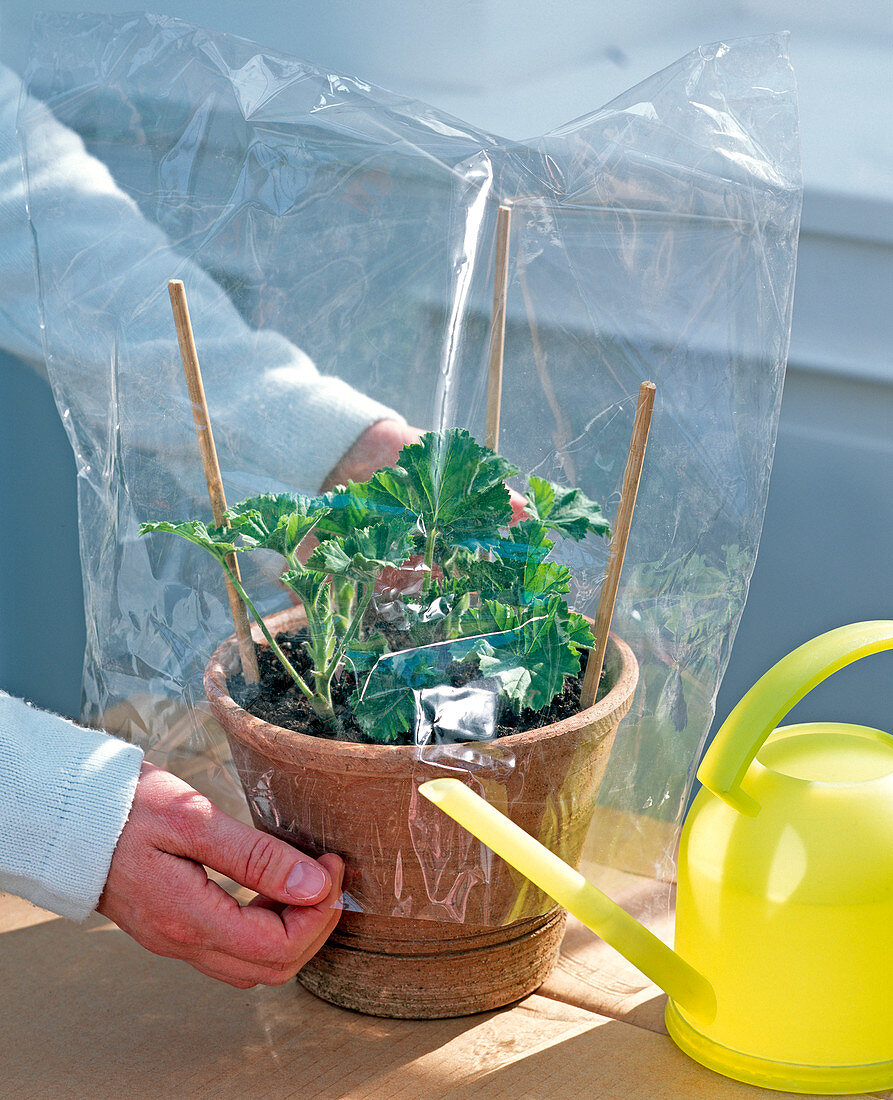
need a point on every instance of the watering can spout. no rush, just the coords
(685, 986)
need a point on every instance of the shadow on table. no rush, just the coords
(612, 1059)
(87, 1012)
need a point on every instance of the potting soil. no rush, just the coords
(276, 699)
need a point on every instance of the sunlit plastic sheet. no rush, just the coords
(654, 239)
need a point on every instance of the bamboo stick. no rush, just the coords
(497, 326)
(211, 466)
(628, 492)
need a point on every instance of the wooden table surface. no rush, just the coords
(85, 1012)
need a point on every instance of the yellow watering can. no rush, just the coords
(784, 916)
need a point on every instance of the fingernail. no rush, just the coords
(305, 880)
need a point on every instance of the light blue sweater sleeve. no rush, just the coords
(105, 272)
(65, 793)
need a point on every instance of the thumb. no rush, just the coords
(257, 860)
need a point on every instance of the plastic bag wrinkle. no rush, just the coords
(352, 232)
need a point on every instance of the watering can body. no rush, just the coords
(783, 969)
(789, 912)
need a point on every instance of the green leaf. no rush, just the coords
(528, 539)
(362, 555)
(575, 629)
(530, 652)
(568, 511)
(456, 486)
(217, 541)
(385, 706)
(310, 586)
(348, 508)
(277, 522)
(389, 718)
(516, 571)
(361, 657)
(517, 582)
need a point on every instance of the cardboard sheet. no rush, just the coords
(86, 1012)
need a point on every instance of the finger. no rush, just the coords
(298, 925)
(263, 936)
(252, 858)
(261, 902)
(235, 972)
(244, 975)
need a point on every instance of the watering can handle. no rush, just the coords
(742, 734)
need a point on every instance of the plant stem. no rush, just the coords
(429, 547)
(320, 634)
(274, 645)
(349, 636)
(356, 623)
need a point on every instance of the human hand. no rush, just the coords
(159, 893)
(378, 446)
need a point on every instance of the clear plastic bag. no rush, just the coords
(310, 214)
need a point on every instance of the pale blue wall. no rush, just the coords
(42, 632)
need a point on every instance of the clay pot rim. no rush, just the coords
(278, 742)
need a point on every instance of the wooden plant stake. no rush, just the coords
(497, 326)
(211, 467)
(630, 488)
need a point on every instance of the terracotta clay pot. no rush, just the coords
(446, 928)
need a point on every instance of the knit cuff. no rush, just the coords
(66, 793)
